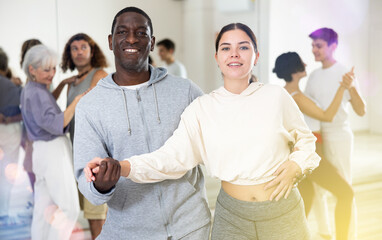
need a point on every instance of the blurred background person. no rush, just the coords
(56, 199)
(166, 49)
(82, 53)
(10, 136)
(26, 142)
(291, 68)
(337, 135)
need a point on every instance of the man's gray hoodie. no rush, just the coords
(112, 121)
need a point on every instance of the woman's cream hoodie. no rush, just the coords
(240, 138)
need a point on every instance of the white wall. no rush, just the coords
(374, 84)
(193, 24)
(292, 21)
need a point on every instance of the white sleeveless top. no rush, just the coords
(312, 123)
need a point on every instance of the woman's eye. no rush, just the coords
(225, 49)
(244, 48)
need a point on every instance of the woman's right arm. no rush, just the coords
(180, 153)
(57, 92)
(310, 108)
(69, 112)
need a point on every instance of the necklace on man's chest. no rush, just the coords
(79, 76)
(82, 74)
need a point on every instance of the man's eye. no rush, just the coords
(142, 34)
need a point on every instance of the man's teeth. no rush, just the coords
(131, 50)
(234, 64)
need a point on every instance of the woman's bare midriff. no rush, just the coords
(249, 193)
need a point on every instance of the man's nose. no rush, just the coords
(131, 38)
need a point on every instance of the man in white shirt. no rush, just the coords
(322, 86)
(166, 49)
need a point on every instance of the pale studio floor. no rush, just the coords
(367, 183)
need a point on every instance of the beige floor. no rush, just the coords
(367, 183)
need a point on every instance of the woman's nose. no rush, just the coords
(234, 54)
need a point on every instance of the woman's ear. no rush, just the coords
(31, 70)
(216, 59)
(257, 58)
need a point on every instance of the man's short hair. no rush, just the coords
(3, 60)
(326, 34)
(167, 43)
(136, 10)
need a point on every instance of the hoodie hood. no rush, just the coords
(156, 75)
(252, 87)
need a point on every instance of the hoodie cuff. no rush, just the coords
(306, 161)
(105, 196)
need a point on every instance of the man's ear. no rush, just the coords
(152, 43)
(110, 39)
(333, 46)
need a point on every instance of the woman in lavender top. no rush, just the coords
(56, 200)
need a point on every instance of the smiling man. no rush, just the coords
(130, 112)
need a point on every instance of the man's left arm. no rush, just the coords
(357, 102)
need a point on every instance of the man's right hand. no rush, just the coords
(348, 79)
(107, 172)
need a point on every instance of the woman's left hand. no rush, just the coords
(286, 176)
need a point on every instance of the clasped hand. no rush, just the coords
(348, 79)
(104, 173)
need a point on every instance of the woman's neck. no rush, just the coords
(292, 86)
(236, 86)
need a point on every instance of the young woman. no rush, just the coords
(290, 67)
(56, 200)
(241, 133)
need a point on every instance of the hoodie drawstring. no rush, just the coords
(127, 113)
(156, 102)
